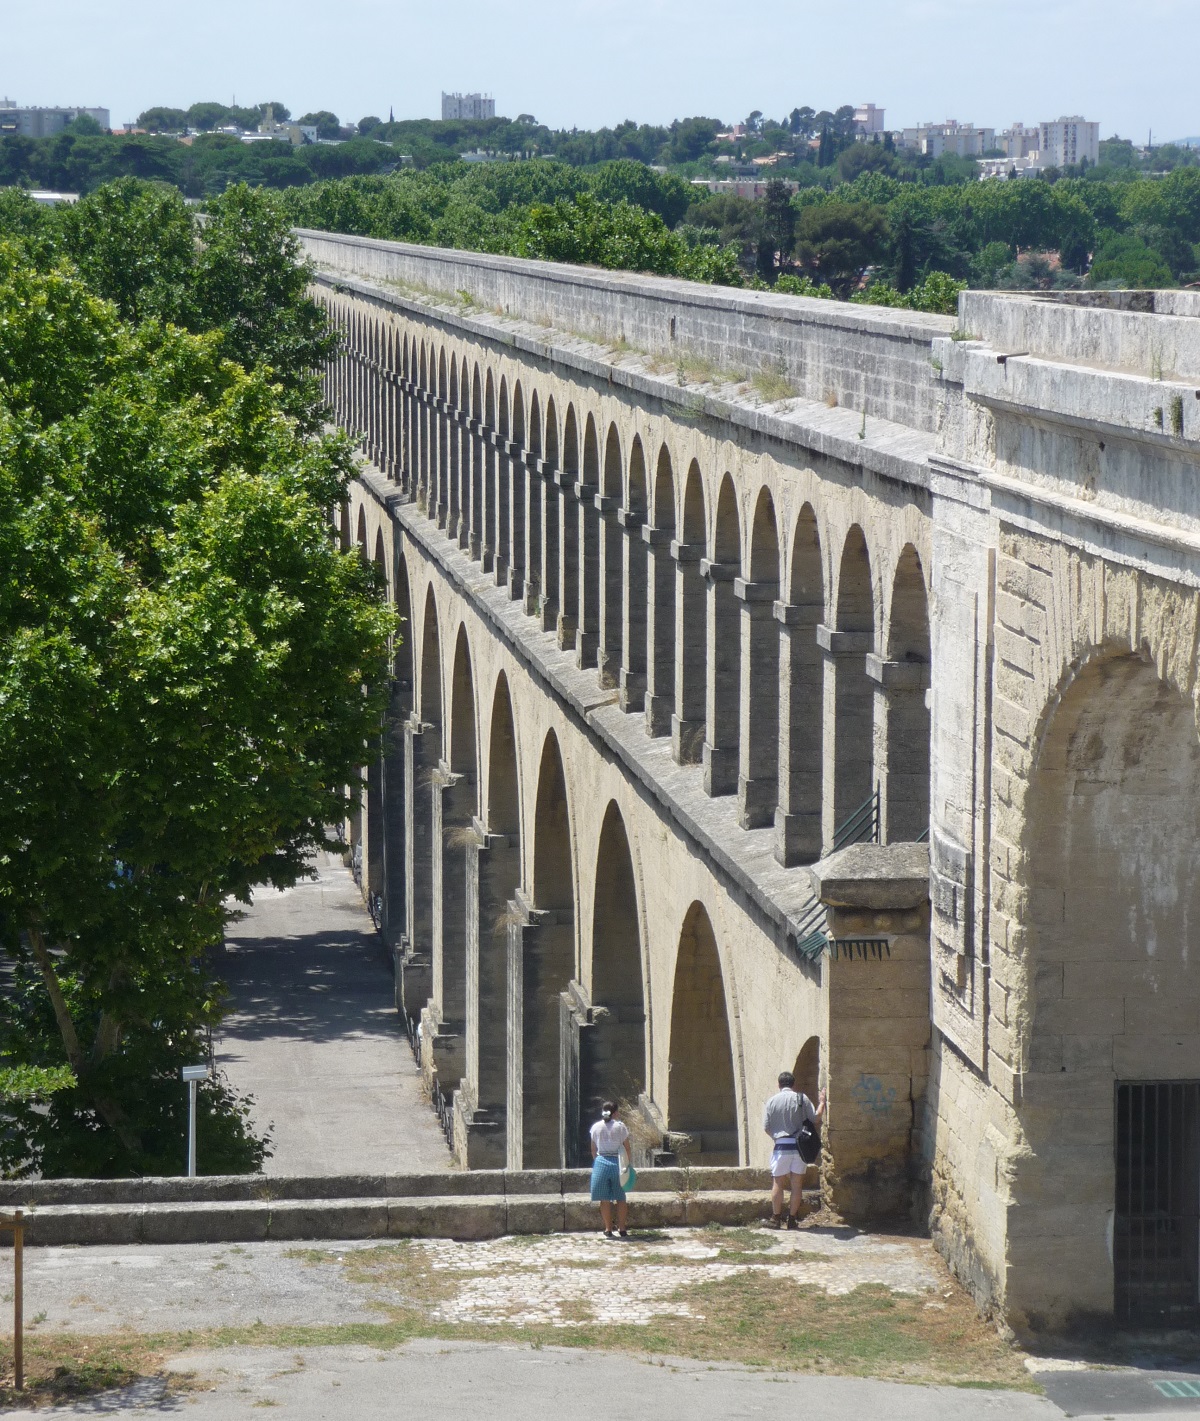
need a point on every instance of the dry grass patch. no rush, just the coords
(66, 1367)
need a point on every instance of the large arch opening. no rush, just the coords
(493, 876)
(611, 563)
(613, 1052)
(634, 579)
(588, 634)
(721, 744)
(399, 709)
(849, 786)
(455, 801)
(691, 664)
(1109, 1055)
(798, 818)
(701, 1094)
(568, 610)
(551, 523)
(541, 965)
(758, 777)
(660, 655)
(902, 709)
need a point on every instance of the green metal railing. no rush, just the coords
(860, 827)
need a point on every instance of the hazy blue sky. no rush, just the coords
(593, 62)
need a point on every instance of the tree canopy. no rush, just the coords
(189, 666)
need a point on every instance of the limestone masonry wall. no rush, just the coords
(846, 725)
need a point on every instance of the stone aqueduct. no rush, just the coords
(787, 683)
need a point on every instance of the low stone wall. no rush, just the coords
(865, 358)
(475, 1205)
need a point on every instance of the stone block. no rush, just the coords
(535, 1214)
(655, 1209)
(874, 876)
(665, 1178)
(576, 1181)
(580, 1215)
(230, 1221)
(328, 1218)
(482, 1216)
(705, 1177)
(533, 1181)
(57, 1225)
(727, 1206)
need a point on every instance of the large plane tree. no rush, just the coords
(190, 667)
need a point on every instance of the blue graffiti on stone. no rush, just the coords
(872, 1097)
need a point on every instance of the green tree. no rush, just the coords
(837, 241)
(189, 670)
(1124, 259)
(163, 120)
(324, 122)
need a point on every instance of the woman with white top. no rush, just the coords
(609, 1136)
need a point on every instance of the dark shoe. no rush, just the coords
(775, 1221)
(608, 1233)
(623, 1233)
(793, 1221)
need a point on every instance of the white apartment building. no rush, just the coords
(1068, 141)
(39, 122)
(868, 120)
(1031, 150)
(962, 139)
(468, 106)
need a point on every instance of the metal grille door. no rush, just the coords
(1156, 1244)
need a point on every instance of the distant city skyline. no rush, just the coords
(581, 63)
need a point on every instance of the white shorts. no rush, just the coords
(785, 1162)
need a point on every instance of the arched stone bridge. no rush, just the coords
(786, 683)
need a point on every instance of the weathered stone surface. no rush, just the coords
(874, 876)
(949, 590)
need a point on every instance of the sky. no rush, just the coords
(589, 63)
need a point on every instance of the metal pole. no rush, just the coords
(191, 1130)
(18, 1300)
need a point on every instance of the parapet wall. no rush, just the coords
(863, 357)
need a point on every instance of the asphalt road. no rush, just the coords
(314, 1036)
(445, 1379)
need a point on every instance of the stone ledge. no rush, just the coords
(280, 1190)
(445, 1216)
(874, 876)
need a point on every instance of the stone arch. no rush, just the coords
(541, 966)
(661, 598)
(504, 792)
(611, 563)
(493, 877)
(758, 777)
(801, 679)
(850, 784)
(535, 424)
(550, 443)
(442, 386)
(1109, 870)
(360, 536)
(723, 734)
(502, 424)
(431, 672)
(691, 662)
(902, 715)
(635, 584)
(553, 879)
(587, 637)
(613, 1052)
(568, 553)
(701, 1092)
(453, 397)
(463, 755)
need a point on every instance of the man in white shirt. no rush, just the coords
(783, 1115)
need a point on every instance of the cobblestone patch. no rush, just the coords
(571, 1280)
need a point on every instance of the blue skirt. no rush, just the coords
(606, 1180)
